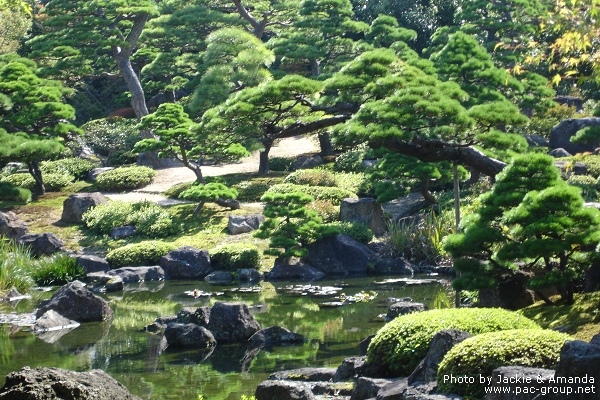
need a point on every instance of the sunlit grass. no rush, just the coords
(15, 265)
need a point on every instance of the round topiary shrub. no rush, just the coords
(312, 177)
(231, 257)
(137, 254)
(10, 192)
(54, 182)
(478, 356)
(333, 194)
(400, 345)
(73, 166)
(20, 179)
(125, 178)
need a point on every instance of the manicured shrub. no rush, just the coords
(138, 254)
(113, 138)
(333, 194)
(125, 178)
(478, 356)
(20, 179)
(328, 211)
(231, 257)
(55, 182)
(358, 231)
(10, 192)
(587, 184)
(56, 270)
(252, 190)
(355, 182)
(74, 166)
(312, 177)
(149, 218)
(351, 160)
(402, 343)
(174, 191)
(281, 163)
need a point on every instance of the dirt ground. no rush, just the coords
(166, 178)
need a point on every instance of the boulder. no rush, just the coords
(440, 344)
(138, 274)
(249, 275)
(366, 211)
(186, 263)
(403, 307)
(232, 322)
(93, 174)
(244, 223)
(275, 336)
(405, 207)
(307, 374)
(561, 134)
(219, 278)
(559, 153)
(512, 292)
(340, 255)
(120, 232)
(57, 383)
(350, 368)
(41, 244)
(537, 141)
(571, 101)
(592, 278)
(307, 162)
(190, 315)
(293, 269)
(283, 390)
(363, 345)
(11, 226)
(52, 321)
(579, 359)
(595, 340)
(367, 388)
(104, 282)
(189, 336)
(394, 266)
(74, 301)
(76, 204)
(91, 263)
(537, 378)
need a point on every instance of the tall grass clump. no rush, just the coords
(419, 239)
(56, 270)
(15, 261)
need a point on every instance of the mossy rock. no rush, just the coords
(400, 345)
(478, 356)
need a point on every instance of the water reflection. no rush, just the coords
(141, 361)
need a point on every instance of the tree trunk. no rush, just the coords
(36, 173)
(325, 144)
(263, 164)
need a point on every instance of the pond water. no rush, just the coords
(134, 357)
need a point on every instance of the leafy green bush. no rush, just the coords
(587, 184)
(312, 177)
(231, 257)
(328, 211)
(10, 192)
(56, 270)
(355, 182)
(591, 161)
(358, 231)
(125, 178)
(74, 166)
(480, 355)
(281, 163)
(333, 194)
(351, 160)
(20, 179)
(252, 190)
(112, 138)
(149, 218)
(55, 182)
(174, 191)
(138, 254)
(402, 343)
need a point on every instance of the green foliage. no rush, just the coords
(15, 264)
(281, 163)
(20, 179)
(14, 193)
(149, 218)
(591, 161)
(586, 136)
(231, 257)
(56, 270)
(252, 190)
(401, 344)
(312, 177)
(138, 254)
(481, 354)
(75, 166)
(208, 192)
(174, 191)
(328, 211)
(351, 160)
(125, 178)
(333, 194)
(112, 138)
(541, 123)
(54, 182)
(587, 184)
(356, 230)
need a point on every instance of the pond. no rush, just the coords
(134, 357)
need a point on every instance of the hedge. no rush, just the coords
(138, 254)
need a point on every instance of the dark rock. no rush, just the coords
(91, 263)
(93, 174)
(364, 345)
(366, 388)
(538, 378)
(559, 153)
(219, 278)
(405, 207)
(249, 275)
(76, 204)
(41, 244)
(366, 211)
(440, 344)
(561, 134)
(568, 167)
(11, 226)
(340, 255)
(104, 282)
(393, 266)
(120, 232)
(305, 374)
(571, 101)
(56, 383)
(402, 308)
(350, 368)
(595, 340)
(232, 322)
(138, 274)
(51, 321)
(115, 284)
(537, 141)
(186, 263)
(592, 278)
(244, 223)
(275, 336)
(307, 162)
(579, 359)
(336, 390)
(283, 390)
(190, 315)
(293, 269)
(512, 293)
(74, 301)
(189, 336)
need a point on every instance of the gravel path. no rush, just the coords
(168, 177)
